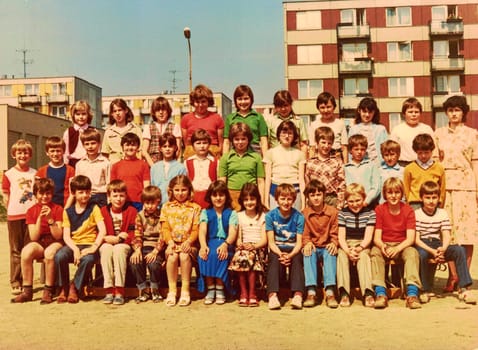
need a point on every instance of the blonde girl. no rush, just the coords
(180, 227)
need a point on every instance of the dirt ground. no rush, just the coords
(445, 323)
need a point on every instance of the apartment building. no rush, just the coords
(50, 95)
(141, 105)
(388, 50)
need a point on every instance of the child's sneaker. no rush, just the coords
(210, 296)
(467, 296)
(412, 303)
(424, 298)
(310, 300)
(118, 300)
(156, 296)
(220, 297)
(142, 297)
(296, 302)
(108, 299)
(274, 303)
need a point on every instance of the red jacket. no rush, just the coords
(127, 225)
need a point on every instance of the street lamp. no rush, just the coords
(187, 35)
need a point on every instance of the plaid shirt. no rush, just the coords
(331, 173)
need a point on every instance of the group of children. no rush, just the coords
(253, 196)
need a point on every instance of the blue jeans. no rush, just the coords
(154, 268)
(454, 252)
(64, 256)
(329, 267)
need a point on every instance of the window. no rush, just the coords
(351, 51)
(440, 48)
(310, 88)
(31, 89)
(401, 51)
(446, 83)
(5, 90)
(439, 13)
(353, 16)
(440, 120)
(401, 87)
(309, 20)
(399, 16)
(58, 89)
(354, 86)
(59, 111)
(309, 54)
(394, 119)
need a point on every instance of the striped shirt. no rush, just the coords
(431, 226)
(356, 223)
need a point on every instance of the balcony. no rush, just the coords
(352, 31)
(448, 63)
(351, 101)
(452, 26)
(29, 99)
(63, 98)
(441, 96)
(359, 65)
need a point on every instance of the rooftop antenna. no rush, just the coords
(25, 61)
(174, 80)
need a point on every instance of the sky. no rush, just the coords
(130, 47)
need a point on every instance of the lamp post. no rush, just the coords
(187, 35)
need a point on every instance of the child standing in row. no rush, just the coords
(433, 241)
(356, 226)
(423, 169)
(201, 167)
(390, 167)
(44, 226)
(81, 115)
(120, 123)
(161, 123)
(241, 165)
(284, 227)
(57, 170)
(243, 100)
(319, 243)
(217, 234)
(163, 171)
(95, 166)
(202, 99)
(133, 171)
(282, 164)
(180, 227)
(119, 217)
(283, 111)
(249, 257)
(17, 190)
(393, 239)
(326, 168)
(148, 245)
(83, 233)
(326, 105)
(367, 123)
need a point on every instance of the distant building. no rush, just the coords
(51, 95)
(390, 50)
(141, 105)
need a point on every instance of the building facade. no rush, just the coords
(387, 50)
(141, 106)
(51, 95)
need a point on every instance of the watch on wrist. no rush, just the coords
(50, 222)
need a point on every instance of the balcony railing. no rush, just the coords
(29, 99)
(448, 63)
(357, 66)
(439, 97)
(449, 27)
(350, 31)
(63, 98)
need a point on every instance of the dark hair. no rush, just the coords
(457, 101)
(429, 187)
(168, 138)
(390, 146)
(116, 186)
(218, 187)
(369, 104)
(43, 185)
(119, 102)
(324, 132)
(324, 98)
(411, 102)
(160, 103)
(282, 98)
(251, 190)
(200, 135)
(151, 193)
(314, 186)
(240, 128)
(55, 142)
(357, 140)
(287, 125)
(80, 182)
(130, 138)
(90, 134)
(202, 91)
(243, 90)
(423, 142)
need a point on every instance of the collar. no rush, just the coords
(156, 214)
(81, 128)
(208, 157)
(233, 152)
(175, 203)
(425, 165)
(237, 115)
(395, 167)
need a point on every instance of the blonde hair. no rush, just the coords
(21, 145)
(355, 189)
(392, 183)
(81, 104)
